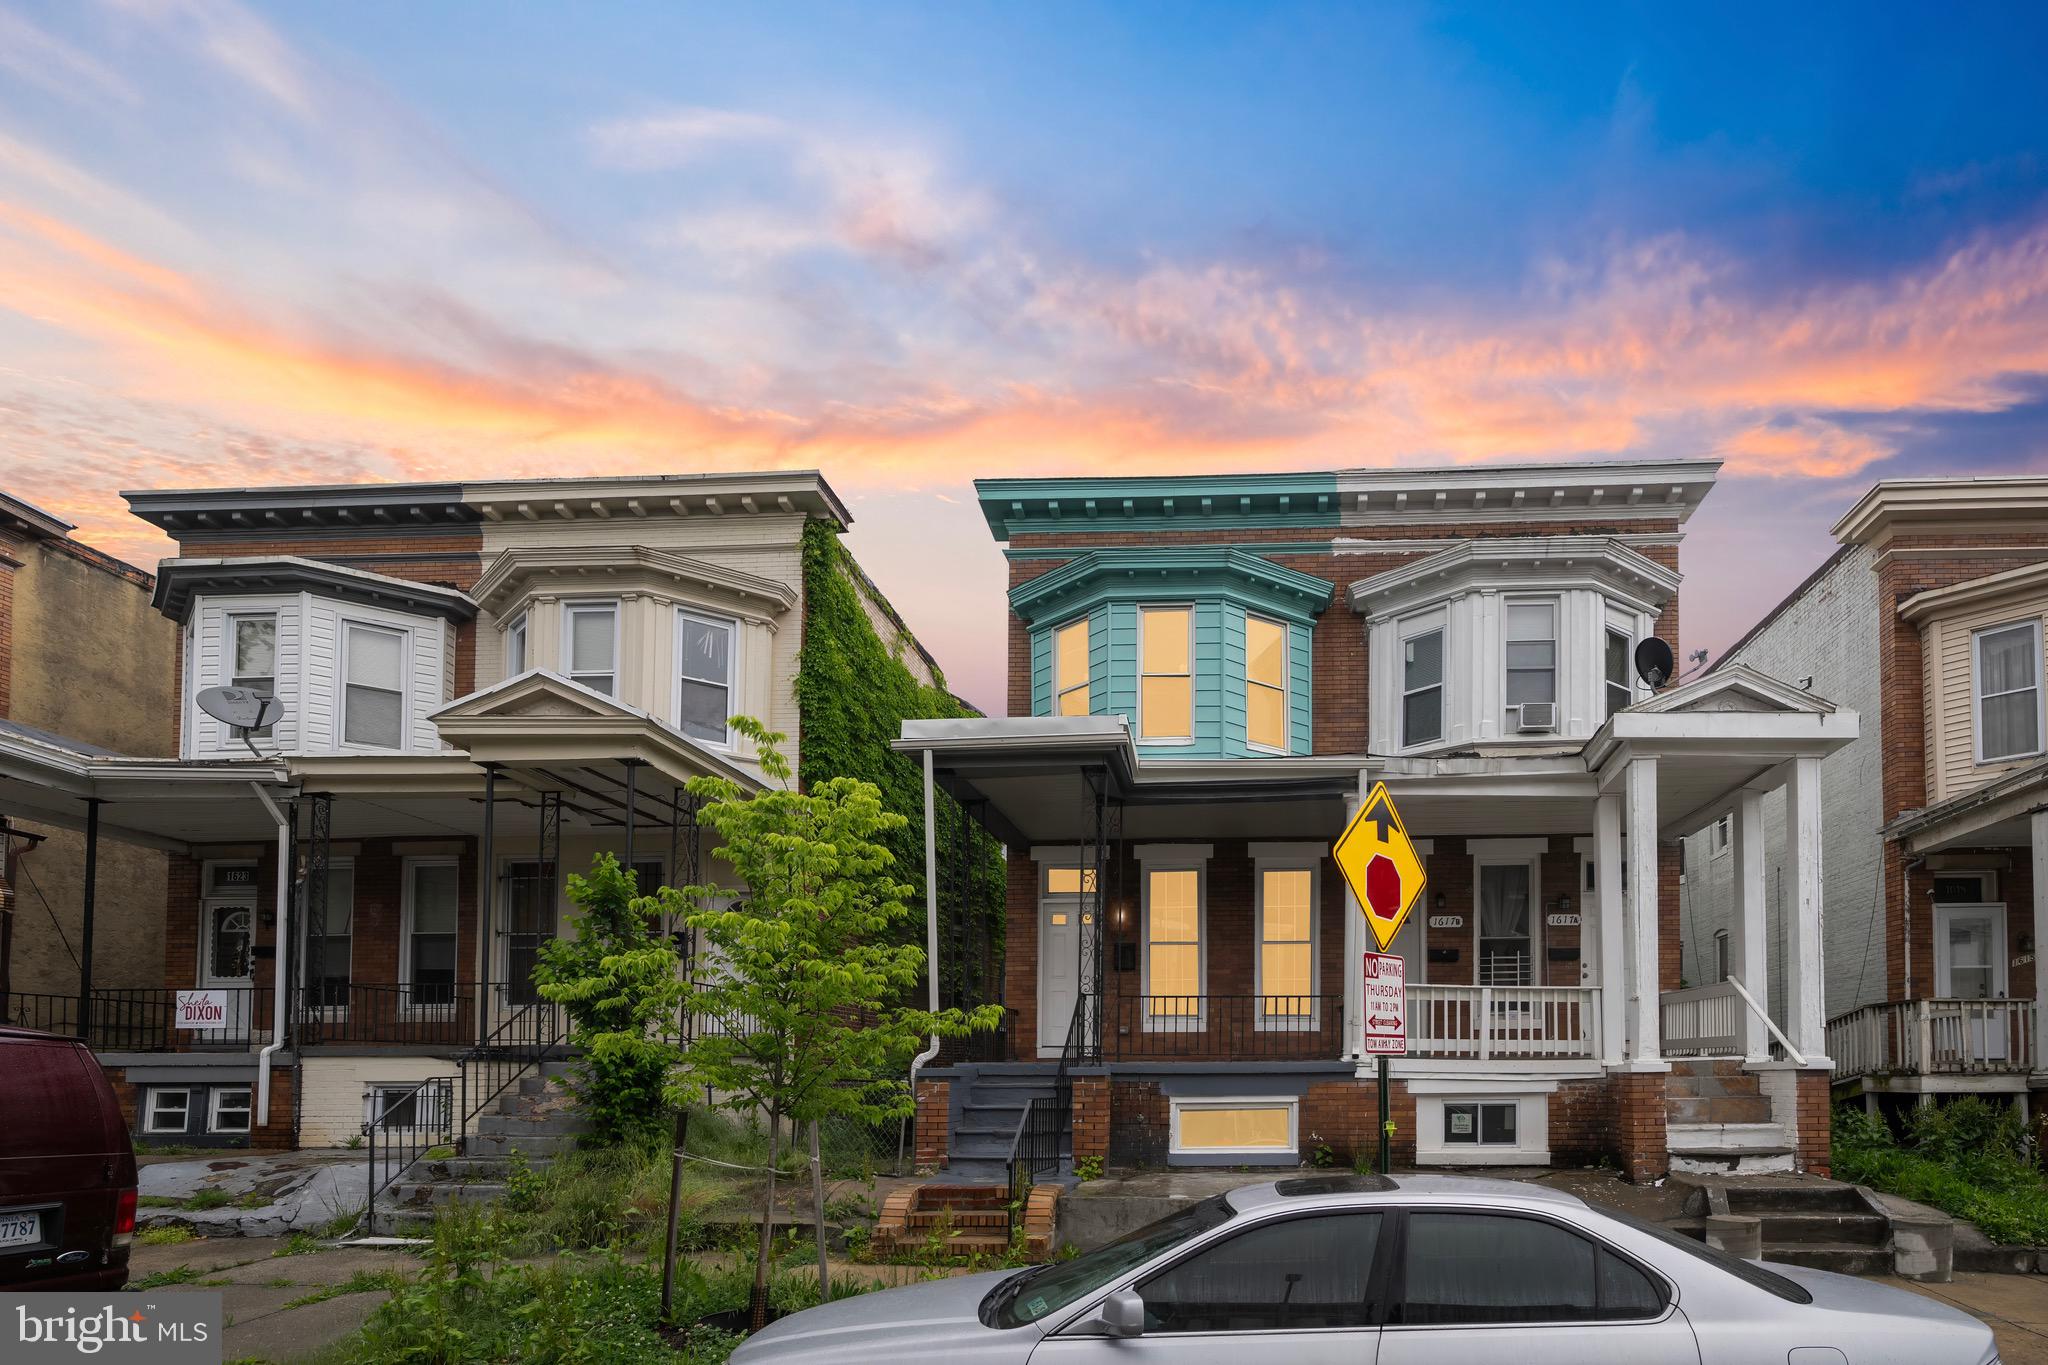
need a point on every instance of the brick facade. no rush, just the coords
(1816, 1117)
(1345, 1116)
(1639, 1124)
(1091, 1117)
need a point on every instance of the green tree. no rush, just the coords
(803, 982)
(617, 980)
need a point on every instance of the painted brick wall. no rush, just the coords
(934, 1107)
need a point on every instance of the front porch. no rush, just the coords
(1178, 929)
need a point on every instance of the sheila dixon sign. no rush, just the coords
(202, 1009)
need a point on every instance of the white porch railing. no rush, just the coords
(1933, 1037)
(1702, 1021)
(1491, 1022)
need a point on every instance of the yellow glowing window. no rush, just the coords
(1251, 1128)
(1166, 691)
(1070, 669)
(1265, 683)
(1069, 881)
(1173, 942)
(1286, 914)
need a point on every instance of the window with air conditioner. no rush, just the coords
(1529, 637)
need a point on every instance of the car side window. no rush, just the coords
(1471, 1268)
(1294, 1275)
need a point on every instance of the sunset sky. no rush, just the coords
(910, 245)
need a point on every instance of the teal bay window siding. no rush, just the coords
(1234, 600)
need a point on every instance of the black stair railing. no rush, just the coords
(404, 1125)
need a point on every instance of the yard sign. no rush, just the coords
(1382, 866)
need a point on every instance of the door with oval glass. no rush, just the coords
(230, 927)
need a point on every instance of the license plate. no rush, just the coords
(20, 1229)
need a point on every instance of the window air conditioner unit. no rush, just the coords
(1536, 715)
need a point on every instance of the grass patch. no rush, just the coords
(184, 1274)
(607, 1197)
(1966, 1158)
(299, 1244)
(209, 1199)
(158, 1201)
(166, 1235)
(362, 1282)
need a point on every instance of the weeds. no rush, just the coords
(209, 1198)
(299, 1244)
(1967, 1158)
(184, 1274)
(164, 1235)
(1087, 1168)
(362, 1282)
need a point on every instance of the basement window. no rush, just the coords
(1482, 1125)
(1235, 1127)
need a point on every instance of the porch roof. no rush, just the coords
(1995, 815)
(154, 802)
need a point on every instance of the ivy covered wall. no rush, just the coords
(855, 688)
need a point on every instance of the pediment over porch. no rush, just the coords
(1737, 687)
(541, 719)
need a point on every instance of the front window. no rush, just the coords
(1166, 690)
(1422, 688)
(255, 656)
(373, 687)
(168, 1111)
(1032, 1294)
(430, 911)
(1295, 1275)
(1286, 964)
(1173, 942)
(1265, 683)
(704, 668)
(515, 647)
(591, 643)
(328, 953)
(1531, 639)
(529, 922)
(1070, 669)
(1619, 691)
(2008, 692)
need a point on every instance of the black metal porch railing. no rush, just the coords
(526, 1036)
(147, 1018)
(437, 1015)
(1034, 1151)
(1223, 1027)
(403, 1126)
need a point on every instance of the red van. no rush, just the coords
(67, 1168)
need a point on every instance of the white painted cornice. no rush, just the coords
(1514, 563)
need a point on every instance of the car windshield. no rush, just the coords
(1031, 1294)
(1748, 1271)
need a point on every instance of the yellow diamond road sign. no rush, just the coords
(1381, 865)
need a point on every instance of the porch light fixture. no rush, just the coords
(1564, 905)
(1442, 900)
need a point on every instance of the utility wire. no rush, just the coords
(54, 923)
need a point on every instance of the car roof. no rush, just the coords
(14, 1033)
(1354, 1190)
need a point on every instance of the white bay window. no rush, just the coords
(590, 638)
(704, 677)
(373, 686)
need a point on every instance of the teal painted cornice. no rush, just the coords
(1175, 502)
(1171, 573)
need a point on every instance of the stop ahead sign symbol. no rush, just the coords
(1383, 886)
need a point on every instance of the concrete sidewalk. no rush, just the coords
(263, 1310)
(2015, 1307)
(269, 1194)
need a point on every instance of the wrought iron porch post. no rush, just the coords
(487, 886)
(92, 861)
(313, 962)
(632, 810)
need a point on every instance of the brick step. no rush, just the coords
(961, 1219)
(1744, 1084)
(965, 1195)
(972, 1243)
(1708, 1066)
(1691, 1109)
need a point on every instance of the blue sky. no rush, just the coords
(914, 244)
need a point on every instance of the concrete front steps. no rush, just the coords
(535, 1121)
(988, 1103)
(1718, 1121)
(1804, 1220)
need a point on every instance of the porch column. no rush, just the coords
(1645, 1022)
(1613, 1040)
(1746, 931)
(1806, 1010)
(2038, 829)
(1354, 948)
(92, 866)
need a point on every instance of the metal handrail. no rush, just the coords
(520, 1043)
(404, 1144)
(1760, 1012)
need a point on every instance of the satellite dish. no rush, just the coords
(241, 709)
(1654, 662)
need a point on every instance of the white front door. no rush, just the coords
(1059, 971)
(1969, 964)
(227, 958)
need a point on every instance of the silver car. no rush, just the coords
(1367, 1270)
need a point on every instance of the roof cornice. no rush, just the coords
(312, 507)
(1597, 490)
(1180, 502)
(1927, 503)
(178, 581)
(789, 492)
(33, 519)
(1534, 562)
(1937, 601)
(1166, 572)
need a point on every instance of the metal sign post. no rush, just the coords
(1386, 874)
